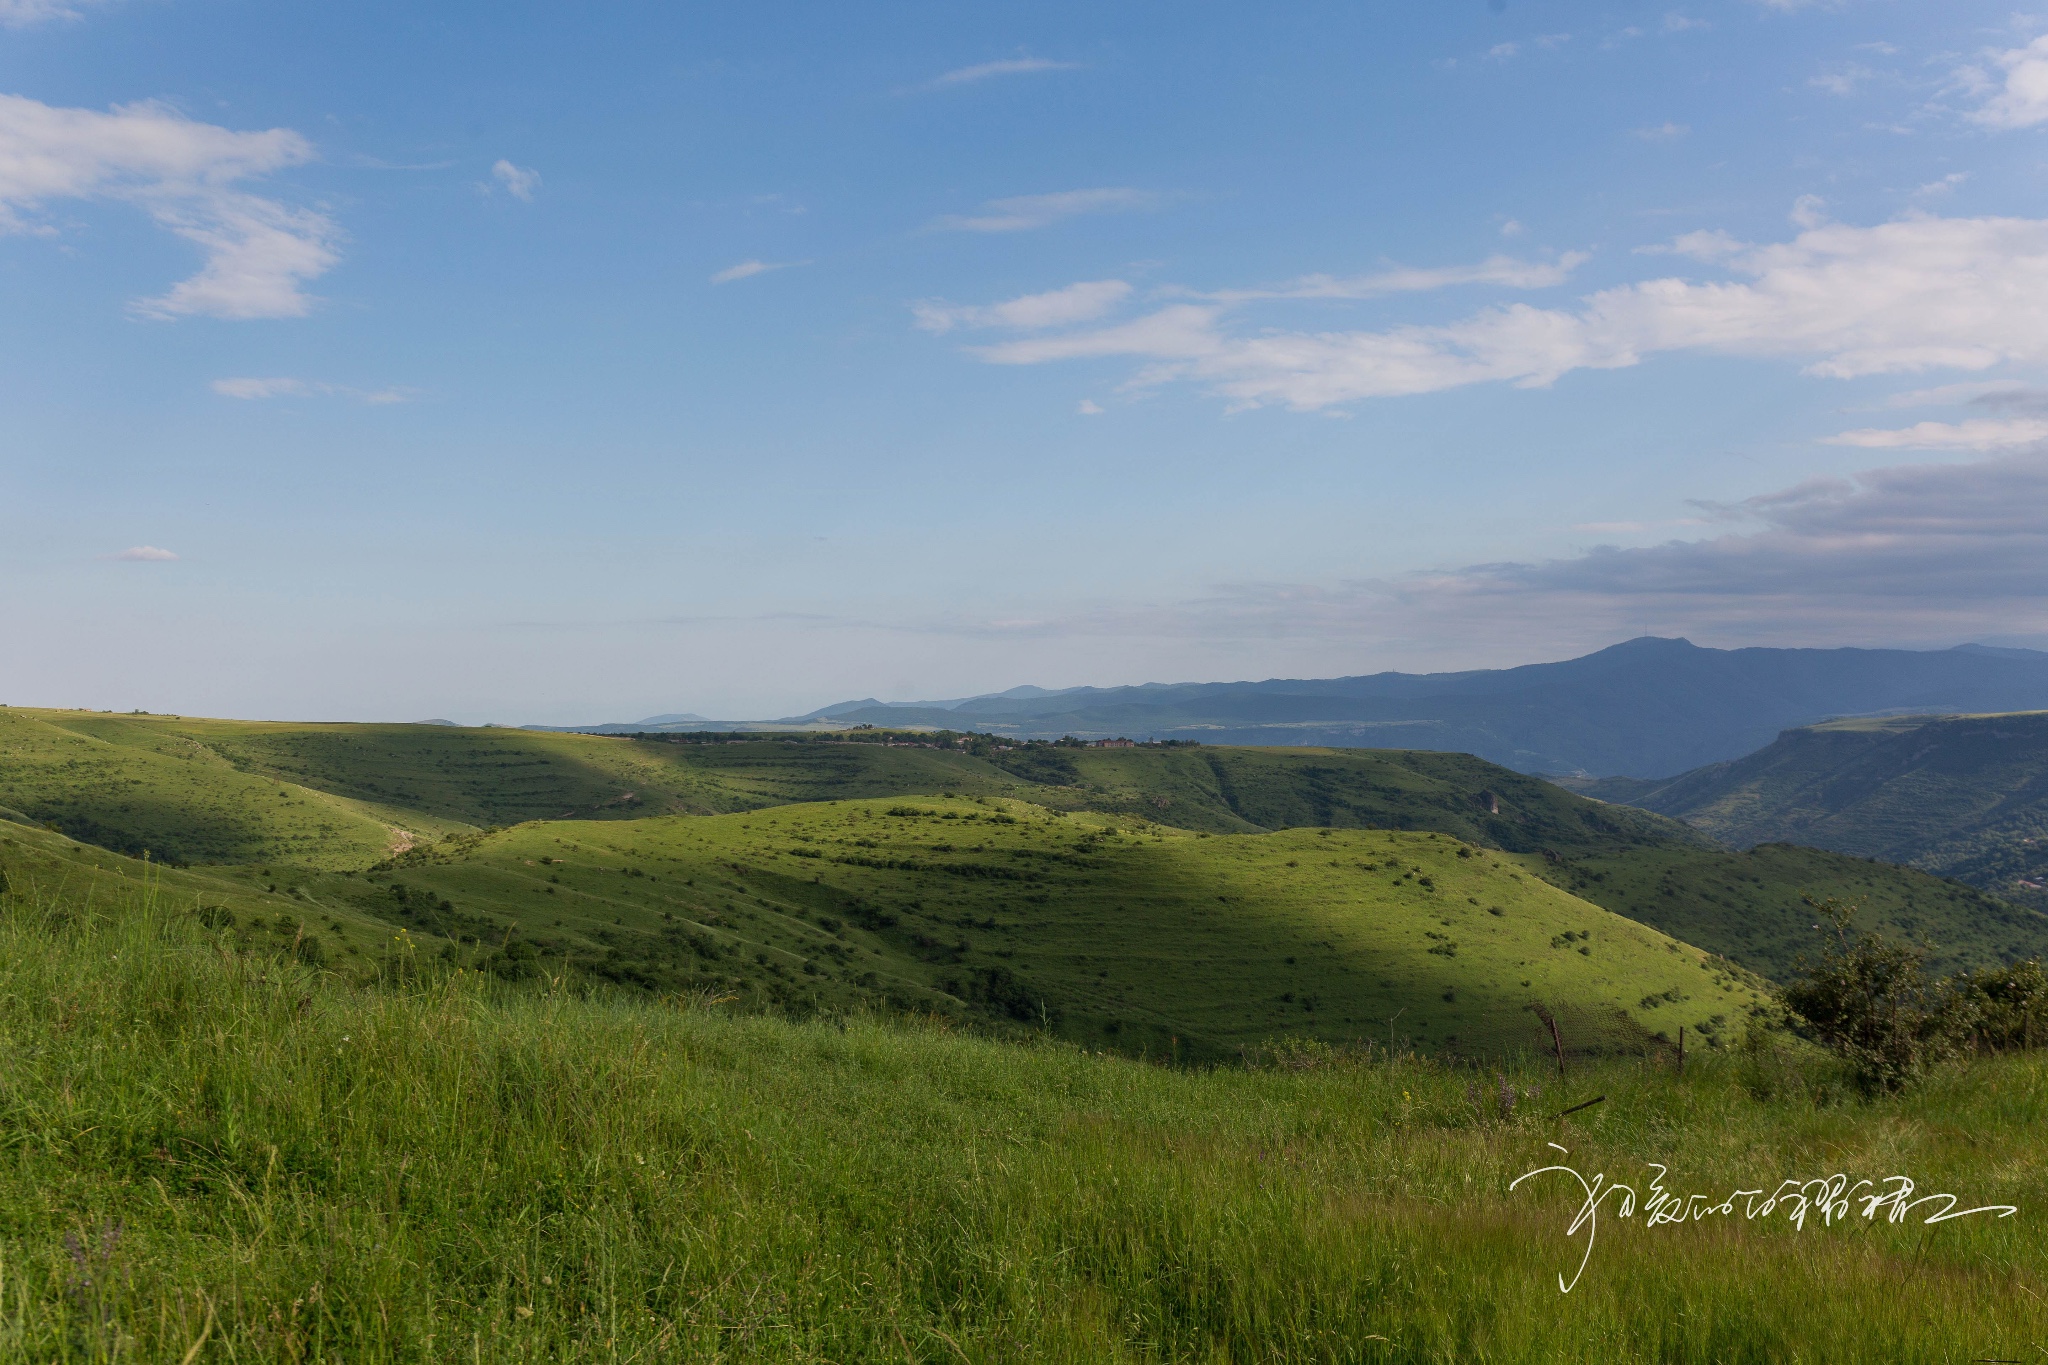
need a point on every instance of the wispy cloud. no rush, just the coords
(746, 270)
(1081, 302)
(23, 13)
(184, 175)
(517, 181)
(1912, 554)
(1983, 433)
(144, 554)
(2021, 100)
(1014, 66)
(1913, 295)
(1842, 79)
(254, 388)
(1664, 132)
(1992, 393)
(1024, 212)
(1509, 272)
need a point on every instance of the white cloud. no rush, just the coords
(23, 13)
(1501, 52)
(1842, 79)
(145, 554)
(183, 174)
(1088, 407)
(746, 270)
(1988, 392)
(1512, 228)
(1983, 433)
(1507, 271)
(1707, 245)
(254, 388)
(519, 182)
(1664, 132)
(2023, 102)
(1916, 294)
(1081, 302)
(1023, 212)
(1015, 66)
(1936, 189)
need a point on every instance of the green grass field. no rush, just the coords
(1152, 943)
(1751, 907)
(218, 1155)
(1109, 931)
(212, 791)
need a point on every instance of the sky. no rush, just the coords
(553, 364)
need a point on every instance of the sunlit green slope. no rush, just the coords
(262, 906)
(1114, 932)
(218, 791)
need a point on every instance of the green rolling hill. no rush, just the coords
(1964, 797)
(310, 809)
(1107, 930)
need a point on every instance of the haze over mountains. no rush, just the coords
(1961, 796)
(1646, 708)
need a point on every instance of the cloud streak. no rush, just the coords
(1026, 212)
(1082, 302)
(1015, 66)
(185, 175)
(1911, 295)
(24, 13)
(253, 389)
(746, 270)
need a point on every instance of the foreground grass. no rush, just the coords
(206, 1155)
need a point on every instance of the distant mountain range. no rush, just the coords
(1960, 796)
(1648, 708)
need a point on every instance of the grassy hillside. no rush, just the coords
(264, 801)
(1751, 907)
(210, 1157)
(1245, 789)
(1114, 932)
(210, 791)
(259, 907)
(1962, 796)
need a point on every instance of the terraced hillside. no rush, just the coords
(1960, 796)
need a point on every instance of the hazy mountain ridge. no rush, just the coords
(1647, 708)
(1962, 796)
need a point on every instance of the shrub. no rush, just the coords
(1870, 1001)
(2006, 1007)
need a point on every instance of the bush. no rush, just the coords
(1869, 1000)
(2006, 1008)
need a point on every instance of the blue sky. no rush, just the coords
(548, 363)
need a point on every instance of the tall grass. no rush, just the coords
(207, 1155)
